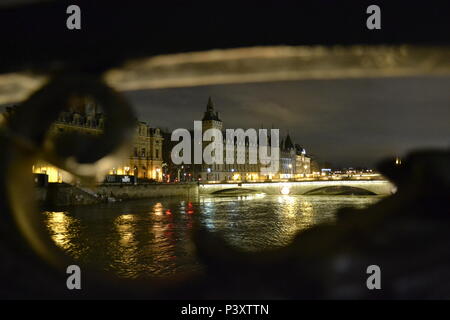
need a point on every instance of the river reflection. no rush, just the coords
(152, 238)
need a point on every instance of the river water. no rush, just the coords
(152, 237)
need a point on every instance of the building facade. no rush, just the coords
(144, 161)
(293, 162)
(241, 169)
(303, 167)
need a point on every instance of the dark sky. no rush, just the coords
(353, 122)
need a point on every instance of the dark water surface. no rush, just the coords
(152, 237)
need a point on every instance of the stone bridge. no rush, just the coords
(375, 187)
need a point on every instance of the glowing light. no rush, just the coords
(54, 174)
(285, 190)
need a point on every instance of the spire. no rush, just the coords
(210, 114)
(288, 142)
(210, 105)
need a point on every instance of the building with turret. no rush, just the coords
(287, 158)
(85, 117)
(292, 164)
(225, 172)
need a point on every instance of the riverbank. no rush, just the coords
(62, 194)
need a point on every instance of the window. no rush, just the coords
(157, 153)
(143, 152)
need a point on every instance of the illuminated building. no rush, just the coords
(302, 163)
(287, 158)
(226, 172)
(84, 116)
(145, 161)
(293, 162)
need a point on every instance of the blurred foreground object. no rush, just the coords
(406, 235)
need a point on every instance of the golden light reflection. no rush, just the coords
(158, 209)
(165, 239)
(307, 211)
(289, 206)
(124, 250)
(125, 228)
(62, 228)
(295, 214)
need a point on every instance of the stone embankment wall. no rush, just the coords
(59, 194)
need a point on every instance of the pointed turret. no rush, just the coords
(210, 114)
(210, 105)
(288, 142)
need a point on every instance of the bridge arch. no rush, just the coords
(234, 191)
(340, 190)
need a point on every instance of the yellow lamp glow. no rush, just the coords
(285, 190)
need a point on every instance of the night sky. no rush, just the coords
(353, 122)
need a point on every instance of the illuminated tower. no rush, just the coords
(211, 120)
